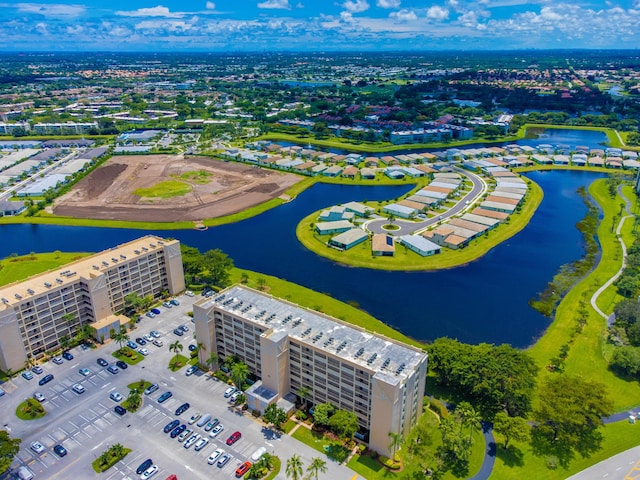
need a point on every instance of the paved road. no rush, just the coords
(408, 227)
(624, 466)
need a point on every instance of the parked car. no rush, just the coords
(184, 435)
(217, 429)
(182, 408)
(235, 397)
(192, 347)
(102, 362)
(149, 472)
(154, 334)
(39, 397)
(79, 389)
(144, 465)
(178, 332)
(85, 372)
(189, 293)
(204, 419)
(151, 388)
(60, 450)
(119, 410)
(150, 314)
(194, 418)
(233, 438)
(200, 444)
(167, 305)
(224, 459)
(171, 425)
(27, 375)
(37, 369)
(210, 424)
(37, 447)
(178, 430)
(122, 365)
(132, 345)
(158, 343)
(115, 396)
(214, 456)
(192, 439)
(112, 369)
(141, 341)
(57, 360)
(229, 391)
(156, 311)
(165, 396)
(191, 370)
(143, 351)
(172, 477)
(242, 469)
(184, 328)
(174, 302)
(67, 356)
(255, 456)
(46, 379)
(148, 338)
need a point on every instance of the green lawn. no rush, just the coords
(30, 409)
(166, 189)
(520, 462)
(140, 385)
(332, 448)
(112, 460)
(13, 269)
(128, 356)
(177, 362)
(200, 177)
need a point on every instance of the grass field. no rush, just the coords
(200, 177)
(16, 268)
(166, 189)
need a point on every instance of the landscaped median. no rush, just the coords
(30, 409)
(109, 458)
(128, 355)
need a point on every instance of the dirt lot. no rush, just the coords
(107, 193)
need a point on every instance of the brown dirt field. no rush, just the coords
(107, 193)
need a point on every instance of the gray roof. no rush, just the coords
(350, 236)
(363, 349)
(419, 242)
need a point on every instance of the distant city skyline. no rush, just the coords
(317, 25)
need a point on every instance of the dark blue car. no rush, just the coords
(164, 396)
(156, 311)
(171, 425)
(178, 430)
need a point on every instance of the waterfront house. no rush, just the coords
(382, 245)
(420, 245)
(349, 239)
(358, 209)
(399, 210)
(368, 173)
(491, 214)
(338, 226)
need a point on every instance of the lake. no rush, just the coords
(484, 301)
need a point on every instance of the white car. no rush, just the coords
(189, 293)
(192, 439)
(200, 444)
(154, 334)
(191, 370)
(194, 418)
(84, 372)
(234, 397)
(183, 436)
(78, 388)
(115, 396)
(144, 351)
(39, 397)
(216, 430)
(229, 391)
(214, 456)
(37, 447)
(148, 338)
(158, 343)
(149, 472)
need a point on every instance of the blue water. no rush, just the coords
(485, 301)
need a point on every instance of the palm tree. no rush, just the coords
(303, 393)
(69, 318)
(469, 417)
(213, 358)
(396, 441)
(134, 399)
(117, 450)
(239, 374)
(177, 348)
(121, 337)
(294, 467)
(317, 466)
(65, 342)
(267, 461)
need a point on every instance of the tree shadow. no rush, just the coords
(511, 456)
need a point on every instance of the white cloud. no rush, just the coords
(404, 15)
(357, 6)
(210, 6)
(74, 29)
(391, 3)
(437, 13)
(41, 28)
(158, 11)
(49, 10)
(284, 4)
(346, 17)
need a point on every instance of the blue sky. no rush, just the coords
(317, 25)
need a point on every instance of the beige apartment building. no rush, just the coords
(36, 313)
(289, 348)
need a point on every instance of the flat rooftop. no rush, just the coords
(17, 292)
(379, 355)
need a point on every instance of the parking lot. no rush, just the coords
(86, 424)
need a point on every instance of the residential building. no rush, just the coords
(291, 349)
(36, 313)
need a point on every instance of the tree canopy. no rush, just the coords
(212, 266)
(9, 448)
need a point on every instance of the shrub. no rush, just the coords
(301, 415)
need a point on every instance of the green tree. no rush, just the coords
(626, 359)
(322, 414)
(344, 424)
(213, 359)
(9, 448)
(134, 399)
(569, 417)
(511, 428)
(239, 374)
(304, 392)
(395, 442)
(317, 467)
(69, 318)
(218, 264)
(133, 301)
(294, 467)
(275, 415)
(121, 337)
(176, 347)
(469, 418)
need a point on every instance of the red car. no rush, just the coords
(235, 436)
(242, 469)
(172, 477)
